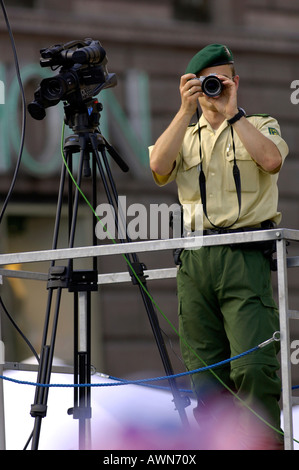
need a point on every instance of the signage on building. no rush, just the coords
(48, 161)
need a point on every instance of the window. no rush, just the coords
(22, 3)
(191, 10)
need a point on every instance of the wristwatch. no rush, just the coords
(237, 116)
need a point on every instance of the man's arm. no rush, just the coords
(261, 149)
(168, 145)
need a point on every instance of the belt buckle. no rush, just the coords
(194, 233)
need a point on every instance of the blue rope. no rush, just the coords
(131, 382)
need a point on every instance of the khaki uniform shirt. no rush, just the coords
(258, 187)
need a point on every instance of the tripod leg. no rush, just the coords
(58, 279)
(39, 408)
(81, 283)
(178, 400)
(82, 368)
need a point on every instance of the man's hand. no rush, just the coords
(190, 90)
(167, 147)
(226, 102)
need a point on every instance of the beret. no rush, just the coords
(209, 56)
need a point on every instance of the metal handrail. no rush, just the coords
(281, 236)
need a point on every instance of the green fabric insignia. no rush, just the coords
(273, 131)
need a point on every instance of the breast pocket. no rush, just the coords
(188, 179)
(249, 173)
(190, 162)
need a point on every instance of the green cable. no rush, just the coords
(155, 303)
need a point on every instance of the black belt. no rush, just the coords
(267, 247)
(266, 225)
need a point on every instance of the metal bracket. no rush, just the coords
(83, 281)
(58, 277)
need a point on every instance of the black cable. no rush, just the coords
(18, 161)
(12, 185)
(23, 112)
(19, 156)
(28, 441)
(19, 330)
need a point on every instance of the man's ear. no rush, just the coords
(236, 79)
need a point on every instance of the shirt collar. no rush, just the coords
(204, 123)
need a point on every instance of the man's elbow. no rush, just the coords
(154, 166)
(273, 163)
(159, 167)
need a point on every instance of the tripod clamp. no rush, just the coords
(38, 410)
(83, 281)
(57, 277)
(137, 268)
(75, 281)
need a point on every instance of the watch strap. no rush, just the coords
(237, 116)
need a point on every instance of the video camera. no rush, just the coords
(83, 74)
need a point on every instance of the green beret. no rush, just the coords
(210, 56)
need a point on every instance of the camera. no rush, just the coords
(211, 85)
(83, 74)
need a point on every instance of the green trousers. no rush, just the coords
(226, 307)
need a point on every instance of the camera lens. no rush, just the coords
(52, 88)
(212, 86)
(92, 54)
(55, 89)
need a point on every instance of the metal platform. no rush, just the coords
(281, 236)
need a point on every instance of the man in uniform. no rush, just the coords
(228, 162)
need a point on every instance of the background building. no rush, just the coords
(148, 44)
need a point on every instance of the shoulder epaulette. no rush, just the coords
(260, 115)
(192, 124)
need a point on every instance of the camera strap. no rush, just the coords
(202, 181)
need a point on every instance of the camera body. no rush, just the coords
(83, 74)
(211, 85)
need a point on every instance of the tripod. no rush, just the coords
(92, 146)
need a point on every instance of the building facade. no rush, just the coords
(148, 45)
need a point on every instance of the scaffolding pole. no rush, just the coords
(281, 236)
(2, 408)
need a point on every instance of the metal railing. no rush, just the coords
(281, 235)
